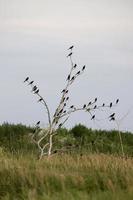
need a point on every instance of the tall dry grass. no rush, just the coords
(63, 177)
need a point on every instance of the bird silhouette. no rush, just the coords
(31, 83)
(72, 78)
(89, 103)
(69, 54)
(60, 125)
(68, 78)
(84, 106)
(63, 91)
(40, 99)
(103, 104)
(75, 66)
(117, 101)
(66, 92)
(93, 117)
(38, 123)
(83, 68)
(78, 73)
(64, 111)
(34, 88)
(26, 79)
(36, 92)
(67, 98)
(72, 106)
(95, 100)
(110, 105)
(71, 47)
(95, 106)
(112, 115)
(64, 104)
(112, 119)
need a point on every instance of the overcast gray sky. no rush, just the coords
(34, 37)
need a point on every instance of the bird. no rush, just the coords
(63, 91)
(61, 111)
(38, 123)
(40, 99)
(71, 47)
(83, 68)
(64, 104)
(112, 115)
(60, 125)
(36, 92)
(31, 83)
(72, 106)
(66, 92)
(72, 78)
(68, 78)
(95, 100)
(112, 119)
(89, 103)
(103, 105)
(69, 54)
(78, 73)
(110, 105)
(93, 117)
(95, 106)
(84, 106)
(117, 101)
(63, 99)
(67, 98)
(34, 88)
(64, 111)
(75, 66)
(26, 79)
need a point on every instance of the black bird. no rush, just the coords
(103, 104)
(38, 123)
(31, 83)
(69, 54)
(83, 68)
(95, 106)
(71, 47)
(75, 66)
(36, 92)
(95, 100)
(66, 92)
(110, 105)
(112, 119)
(72, 106)
(78, 73)
(93, 117)
(34, 88)
(63, 99)
(117, 101)
(68, 78)
(40, 99)
(72, 78)
(84, 106)
(63, 91)
(60, 125)
(67, 98)
(26, 79)
(112, 115)
(61, 111)
(89, 103)
(64, 104)
(64, 111)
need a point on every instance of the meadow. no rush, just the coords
(89, 166)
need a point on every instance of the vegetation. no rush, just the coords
(86, 165)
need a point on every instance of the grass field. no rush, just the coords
(66, 177)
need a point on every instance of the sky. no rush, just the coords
(34, 38)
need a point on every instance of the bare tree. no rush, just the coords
(44, 137)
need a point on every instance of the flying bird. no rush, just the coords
(93, 117)
(26, 79)
(69, 54)
(117, 101)
(71, 47)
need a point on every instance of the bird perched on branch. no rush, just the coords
(103, 105)
(78, 73)
(75, 66)
(69, 54)
(117, 101)
(89, 103)
(83, 68)
(112, 115)
(95, 106)
(68, 78)
(31, 83)
(34, 88)
(40, 99)
(37, 123)
(72, 78)
(71, 47)
(63, 91)
(84, 106)
(95, 100)
(67, 98)
(112, 119)
(72, 106)
(36, 92)
(26, 79)
(110, 105)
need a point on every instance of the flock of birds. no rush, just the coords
(86, 107)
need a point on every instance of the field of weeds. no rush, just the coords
(78, 177)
